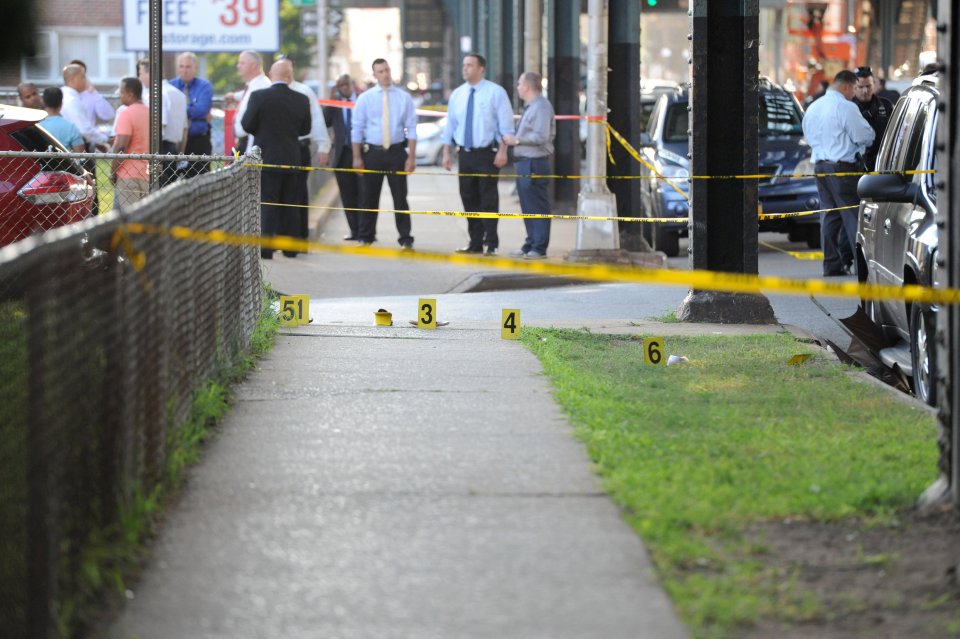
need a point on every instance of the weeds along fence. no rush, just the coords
(104, 340)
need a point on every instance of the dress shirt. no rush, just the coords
(835, 130)
(318, 128)
(492, 114)
(368, 117)
(96, 106)
(62, 129)
(536, 130)
(74, 111)
(173, 111)
(200, 100)
(243, 98)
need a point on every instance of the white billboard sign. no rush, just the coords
(205, 25)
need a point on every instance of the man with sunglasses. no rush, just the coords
(874, 109)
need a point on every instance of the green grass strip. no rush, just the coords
(695, 453)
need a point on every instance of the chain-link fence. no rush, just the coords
(105, 337)
(51, 189)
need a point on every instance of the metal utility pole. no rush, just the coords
(322, 46)
(532, 55)
(595, 198)
(156, 92)
(948, 227)
(723, 141)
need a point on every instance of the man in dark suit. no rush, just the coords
(277, 117)
(341, 156)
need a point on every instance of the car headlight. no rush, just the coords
(804, 167)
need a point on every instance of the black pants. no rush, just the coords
(838, 229)
(379, 159)
(350, 185)
(278, 186)
(479, 194)
(197, 145)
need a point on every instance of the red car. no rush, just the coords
(37, 193)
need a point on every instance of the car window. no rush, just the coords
(654, 119)
(675, 128)
(884, 162)
(32, 138)
(779, 115)
(912, 149)
(902, 135)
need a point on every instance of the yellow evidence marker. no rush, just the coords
(510, 323)
(427, 313)
(294, 310)
(653, 351)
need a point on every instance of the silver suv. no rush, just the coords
(897, 234)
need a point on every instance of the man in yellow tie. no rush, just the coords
(384, 137)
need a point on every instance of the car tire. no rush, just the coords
(923, 354)
(666, 240)
(813, 237)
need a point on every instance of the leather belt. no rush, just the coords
(464, 149)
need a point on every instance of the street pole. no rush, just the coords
(156, 94)
(595, 198)
(322, 47)
(532, 24)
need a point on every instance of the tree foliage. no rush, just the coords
(221, 67)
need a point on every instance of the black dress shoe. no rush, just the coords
(469, 249)
(290, 253)
(266, 255)
(350, 238)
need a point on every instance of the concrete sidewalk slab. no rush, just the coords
(422, 484)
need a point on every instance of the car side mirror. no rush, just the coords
(887, 188)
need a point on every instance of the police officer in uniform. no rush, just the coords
(874, 109)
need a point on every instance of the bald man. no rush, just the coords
(250, 68)
(278, 116)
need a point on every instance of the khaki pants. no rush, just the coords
(129, 191)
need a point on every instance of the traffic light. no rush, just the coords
(664, 6)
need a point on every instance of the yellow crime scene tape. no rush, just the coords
(696, 279)
(551, 216)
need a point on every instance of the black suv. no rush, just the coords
(897, 234)
(783, 151)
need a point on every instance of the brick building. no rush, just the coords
(90, 30)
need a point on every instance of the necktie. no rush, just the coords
(468, 123)
(346, 118)
(386, 119)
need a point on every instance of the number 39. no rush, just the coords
(252, 8)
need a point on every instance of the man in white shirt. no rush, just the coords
(250, 68)
(173, 118)
(74, 82)
(318, 134)
(99, 109)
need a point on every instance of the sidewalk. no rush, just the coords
(395, 482)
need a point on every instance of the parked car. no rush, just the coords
(897, 234)
(37, 194)
(429, 144)
(650, 90)
(783, 152)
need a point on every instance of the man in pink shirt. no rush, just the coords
(133, 136)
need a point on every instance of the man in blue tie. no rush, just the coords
(478, 116)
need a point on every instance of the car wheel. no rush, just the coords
(923, 354)
(666, 240)
(813, 237)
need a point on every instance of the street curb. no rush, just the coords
(497, 281)
(861, 373)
